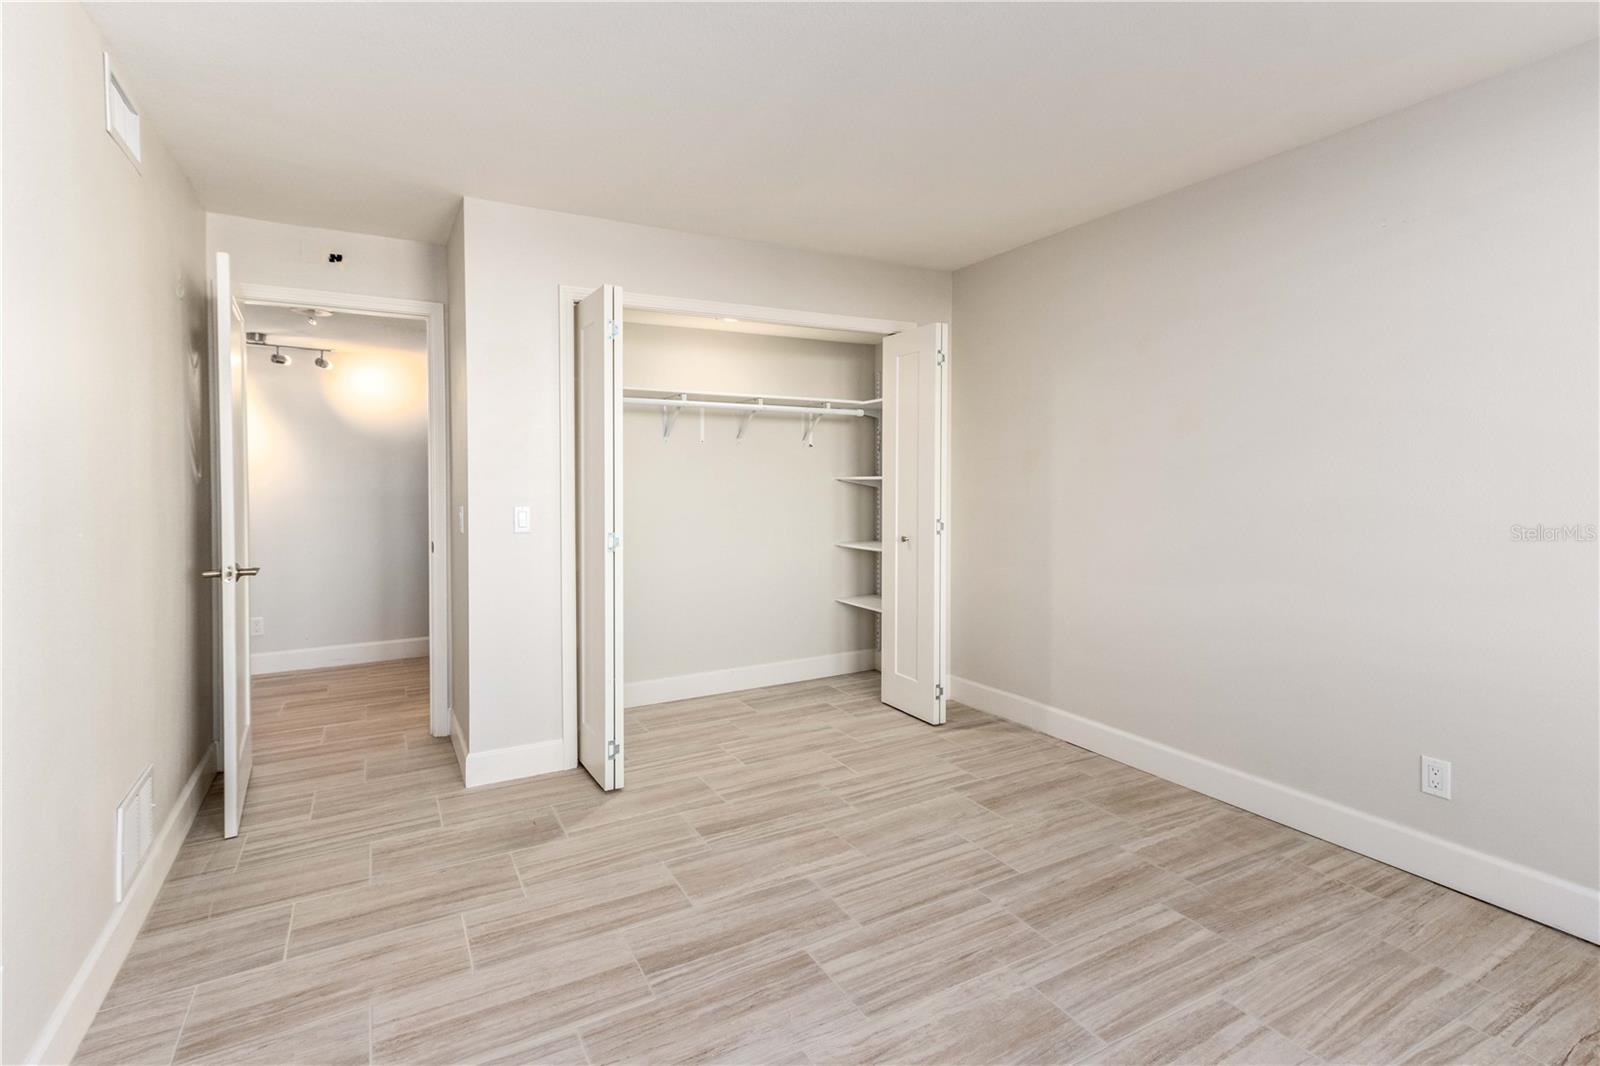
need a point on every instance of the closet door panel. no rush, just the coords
(599, 476)
(913, 489)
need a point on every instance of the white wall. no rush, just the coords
(107, 520)
(275, 253)
(515, 261)
(339, 498)
(731, 559)
(1236, 471)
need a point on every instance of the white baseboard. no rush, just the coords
(71, 1019)
(739, 678)
(1554, 901)
(508, 764)
(376, 651)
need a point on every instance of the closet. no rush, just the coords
(759, 496)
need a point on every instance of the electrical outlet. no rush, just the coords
(1435, 777)
(258, 627)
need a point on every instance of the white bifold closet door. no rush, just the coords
(599, 448)
(232, 567)
(915, 625)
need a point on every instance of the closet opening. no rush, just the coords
(756, 499)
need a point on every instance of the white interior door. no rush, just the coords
(914, 559)
(232, 568)
(599, 424)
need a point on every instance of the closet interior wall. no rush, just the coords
(732, 561)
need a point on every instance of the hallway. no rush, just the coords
(792, 874)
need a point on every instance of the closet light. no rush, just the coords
(322, 360)
(279, 358)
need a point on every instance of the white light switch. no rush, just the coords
(522, 520)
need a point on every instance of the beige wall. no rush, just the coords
(276, 253)
(106, 526)
(731, 558)
(1236, 470)
(515, 260)
(339, 492)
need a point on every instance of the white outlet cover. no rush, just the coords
(258, 627)
(1435, 777)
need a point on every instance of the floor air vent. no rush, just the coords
(136, 816)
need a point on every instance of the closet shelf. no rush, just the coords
(873, 603)
(862, 545)
(871, 481)
(696, 398)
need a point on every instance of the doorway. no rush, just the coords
(385, 396)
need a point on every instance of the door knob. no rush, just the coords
(248, 571)
(904, 539)
(211, 573)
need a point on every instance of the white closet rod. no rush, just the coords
(725, 405)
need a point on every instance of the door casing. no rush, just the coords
(432, 313)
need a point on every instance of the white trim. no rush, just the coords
(375, 651)
(739, 678)
(76, 1010)
(438, 647)
(1554, 901)
(508, 764)
(567, 298)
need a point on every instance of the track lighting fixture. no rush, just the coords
(322, 359)
(279, 358)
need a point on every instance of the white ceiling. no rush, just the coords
(930, 134)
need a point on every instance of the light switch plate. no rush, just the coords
(522, 520)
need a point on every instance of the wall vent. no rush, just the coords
(136, 818)
(122, 118)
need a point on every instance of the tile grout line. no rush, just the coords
(177, 1040)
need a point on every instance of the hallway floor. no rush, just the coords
(798, 874)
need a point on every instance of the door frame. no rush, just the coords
(432, 313)
(568, 297)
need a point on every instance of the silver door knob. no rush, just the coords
(211, 573)
(248, 571)
(904, 539)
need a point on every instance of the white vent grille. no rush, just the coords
(136, 816)
(122, 118)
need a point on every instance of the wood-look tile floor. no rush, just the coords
(798, 874)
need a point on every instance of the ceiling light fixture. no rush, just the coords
(279, 358)
(726, 319)
(322, 359)
(312, 314)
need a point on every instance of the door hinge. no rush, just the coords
(613, 330)
(613, 749)
(613, 541)
(938, 692)
(939, 359)
(938, 525)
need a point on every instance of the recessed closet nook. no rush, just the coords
(759, 499)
